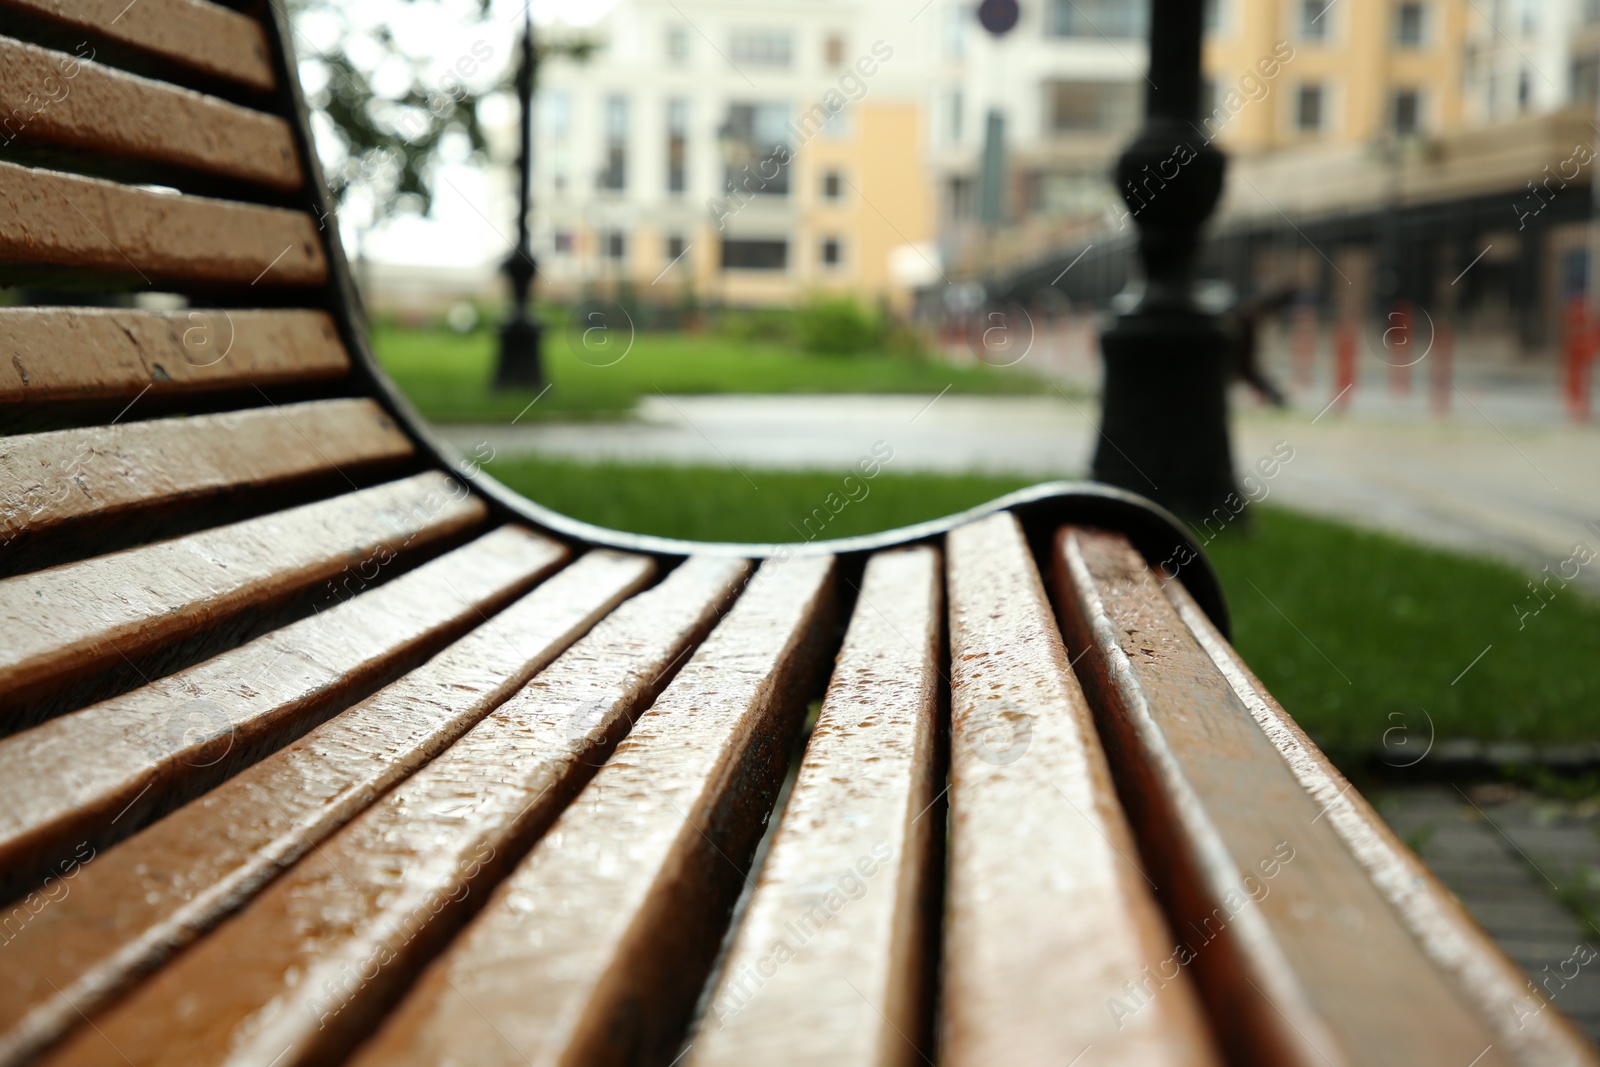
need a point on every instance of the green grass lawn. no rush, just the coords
(1355, 633)
(447, 375)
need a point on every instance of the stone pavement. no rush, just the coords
(1507, 854)
(1481, 481)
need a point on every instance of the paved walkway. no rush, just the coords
(1527, 493)
(1506, 854)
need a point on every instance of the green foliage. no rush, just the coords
(1357, 632)
(769, 325)
(387, 142)
(837, 326)
(447, 375)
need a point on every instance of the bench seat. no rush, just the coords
(318, 745)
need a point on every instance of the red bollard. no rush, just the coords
(1398, 342)
(1578, 350)
(1344, 362)
(1303, 346)
(1444, 354)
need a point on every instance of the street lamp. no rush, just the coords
(1164, 414)
(520, 365)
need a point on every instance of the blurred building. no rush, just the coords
(733, 151)
(1436, 154)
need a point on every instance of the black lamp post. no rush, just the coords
(1164, 418)
(520, 365)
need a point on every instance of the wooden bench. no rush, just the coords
(316, 744)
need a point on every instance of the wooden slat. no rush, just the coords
(71, 476)
(1299, 957)
(101, 773)
(142, 900)
(78, 618)
(84, 354)
(61, 220)
(381, 894)
(1452, 939)
(193, 34)
(52, 98)
(1049, 917)
(830, 963)
(595, 949)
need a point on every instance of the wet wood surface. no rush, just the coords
(594, 950)
(830, 963)
(79, 617)
(52, 219)
(1489, 980)
(1300, 959)
(136, 904)
(1049, 917)
(274, 985)
(66, 102)
(101, 773)
(104, 354)
(102, 472)
(195, 34)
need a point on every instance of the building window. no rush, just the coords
(675, 247)
(1407, 112)
(833, 50)
(958, 198)
(614, 175)
(1524, 90)
(1095, 18)
(958, 114)
(761, 48)
(832, 185)
(1315, 19)
(756, 150)
(616, 245)
(1586, 78)
(677, 145)
(1087, 106)
(678, 46)
(563, 242)
(1410, 25)
(556, 108)
(1310, 106)
(755, 255)
(832, 252)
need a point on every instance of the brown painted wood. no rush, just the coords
(1049, 916)
(78, 618)
(104, 472)
(99, 774)
(595, 949)
(48, 218)
(54, 98)
(1511, 1006)
(1299, 957)
(830, 962)
(193, 34)
(86, 354)
(135, 905)
(303, 970)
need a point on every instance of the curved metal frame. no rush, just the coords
(1158, 534)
